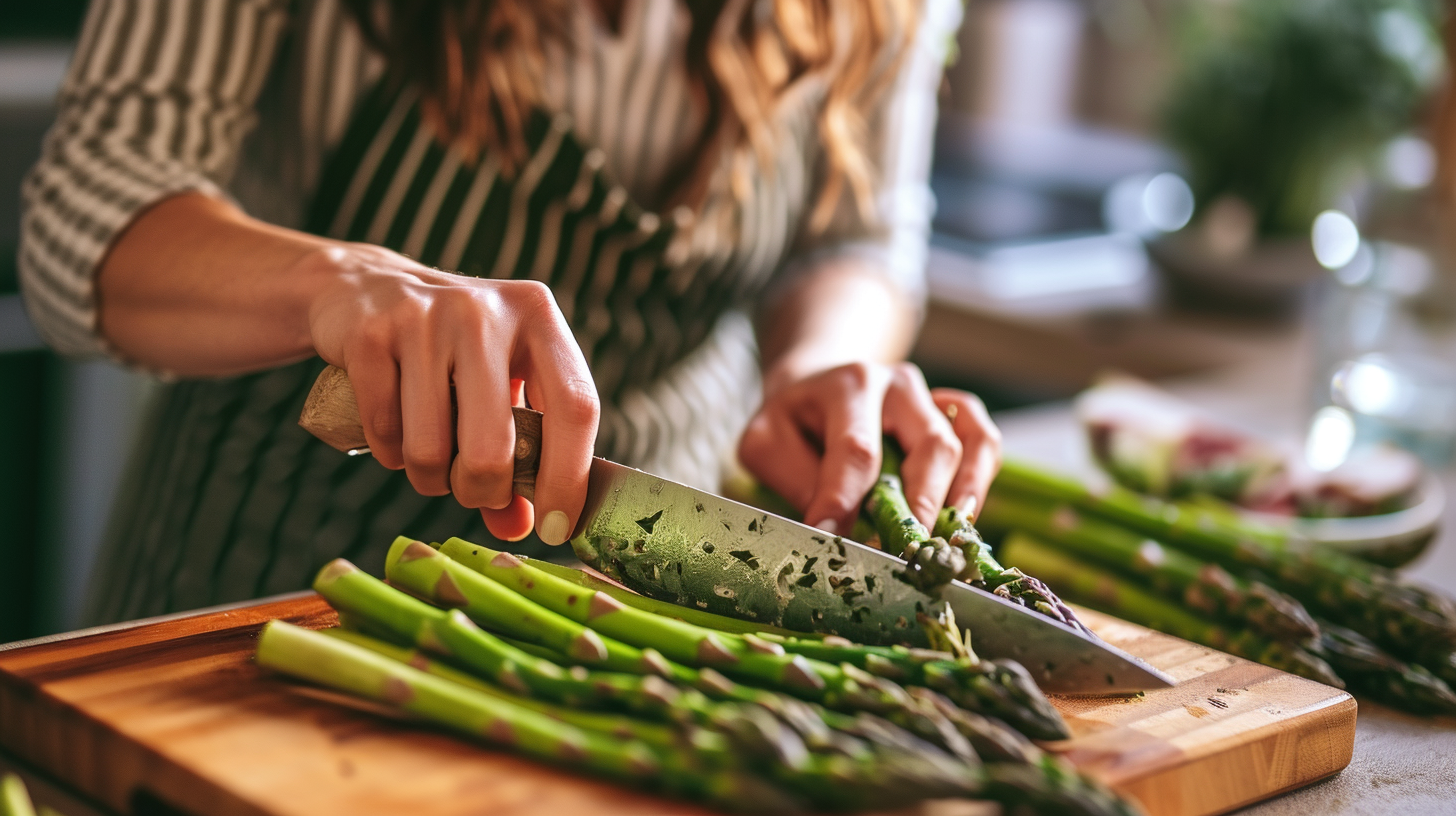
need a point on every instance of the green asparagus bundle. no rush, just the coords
(1371, 672)
(866, 761)
(14, 798)
(1205, 588)
(1405, 619)
(752, 730)
(1094, 586)
(1000, 689)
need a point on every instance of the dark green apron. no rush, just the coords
(229, 499)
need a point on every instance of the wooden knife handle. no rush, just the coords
(331, 413)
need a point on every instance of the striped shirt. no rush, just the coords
(245, 99)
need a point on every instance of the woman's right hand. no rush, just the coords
(406, 334)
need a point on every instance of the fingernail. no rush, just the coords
(829, 526)
(555, 528)
(970, 509)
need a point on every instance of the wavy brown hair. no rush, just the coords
(479, 66)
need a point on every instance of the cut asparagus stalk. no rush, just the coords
(1403, 618)
(1098, 588)
(1202, 586)
(1375, 674)
(14, 798)
(1012, 584)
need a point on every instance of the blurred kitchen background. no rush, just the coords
(1161, 187)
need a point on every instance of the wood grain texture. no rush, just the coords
(177, 710)
(331, 413)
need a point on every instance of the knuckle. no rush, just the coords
(385, 426)
(993, 434)
(376, 337)
(860, 451)
(580, 401)
(757, 440)
(534, 297)
(857, 375)
(481, 471)
(944, 440)
(908, 373)
(431, 460)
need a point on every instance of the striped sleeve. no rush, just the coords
(902, 132)
(157, 101)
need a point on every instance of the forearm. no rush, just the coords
(196, 287)
(843, 311)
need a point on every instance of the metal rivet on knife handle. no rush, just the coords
(331, 413)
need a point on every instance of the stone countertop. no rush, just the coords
(1402, 764)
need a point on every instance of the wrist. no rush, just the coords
(324, 276)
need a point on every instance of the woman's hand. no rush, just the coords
(407, 334)
(196, 287)
(816, 441)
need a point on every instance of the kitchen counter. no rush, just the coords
(1403, 764)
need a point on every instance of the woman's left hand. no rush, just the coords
(816, 441)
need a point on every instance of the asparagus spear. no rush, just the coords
(14, 798)
(999, 689)
(1404, 618)
(1204, 587)
(1099, 588)
(345, 667)
(654, 734)
(1012, 584)
(1375, 674)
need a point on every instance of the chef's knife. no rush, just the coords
(700, 550)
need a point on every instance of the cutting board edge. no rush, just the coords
(50, 754)
(1340, 713)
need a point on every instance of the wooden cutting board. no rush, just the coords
(175, 712)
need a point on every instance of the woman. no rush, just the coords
(236, 192)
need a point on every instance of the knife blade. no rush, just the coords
(696, 549)
(701, 550)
